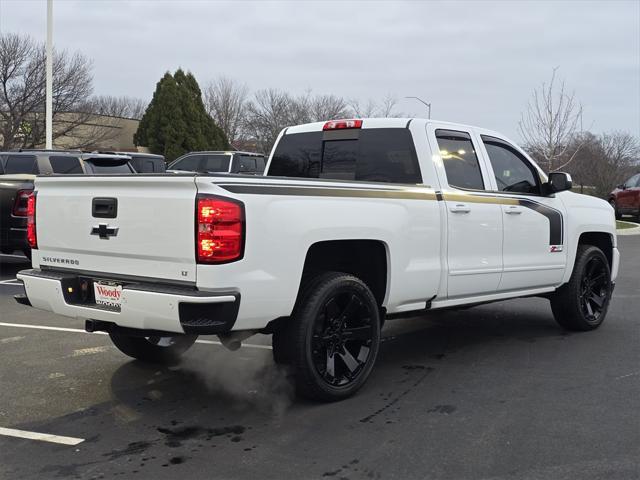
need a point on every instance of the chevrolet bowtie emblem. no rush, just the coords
(104, 231)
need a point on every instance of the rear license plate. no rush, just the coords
(108, 294)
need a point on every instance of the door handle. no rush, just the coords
(104, 207)
(460, 208)
(513, 210)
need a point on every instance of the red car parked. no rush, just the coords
(625, 199)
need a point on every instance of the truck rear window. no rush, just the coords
(373, 155)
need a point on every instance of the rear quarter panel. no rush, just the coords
(280, 229)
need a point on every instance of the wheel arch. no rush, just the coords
(367, 259)
(604, 240)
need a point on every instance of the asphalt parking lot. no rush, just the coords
(497, 391)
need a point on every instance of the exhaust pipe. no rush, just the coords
(233, 340)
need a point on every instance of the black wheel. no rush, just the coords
(582, 303)
(612, 202)
(153, 349)
(332, 338)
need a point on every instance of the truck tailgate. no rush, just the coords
(140, 226)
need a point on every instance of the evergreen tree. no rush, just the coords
(176, 121)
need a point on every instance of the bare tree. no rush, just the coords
(371, 108)
(267, 114)
(22, 91)
(271, 110)
(124, 107)
(552, 119)
(80, 120)
(327, 107)
(226, 101)
(621, 153)
(603, 161)
(308, 107)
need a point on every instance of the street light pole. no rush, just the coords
(428, 105)
(49, 81)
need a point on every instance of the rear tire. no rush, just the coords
(582, 304)
(166, 350)
(332, 339)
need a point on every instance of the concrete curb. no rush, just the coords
(629, 231)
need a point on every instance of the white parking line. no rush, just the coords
(10, 280)
(12, 284)
(43, 437)
(78, 330)
(45, 327)
(13, 256)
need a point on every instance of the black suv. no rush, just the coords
(46, 162)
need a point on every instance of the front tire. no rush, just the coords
(582, 304)
(165, 350)
(332, 339)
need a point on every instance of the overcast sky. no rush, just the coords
(477, 62)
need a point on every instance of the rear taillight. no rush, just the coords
(342, 124)
(219, 230)
(31, 221)
(20, 203)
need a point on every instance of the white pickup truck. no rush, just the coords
(354, 221)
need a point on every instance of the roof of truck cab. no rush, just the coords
(392, 123)
(378, 123)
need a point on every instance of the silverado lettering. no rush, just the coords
(66, 261)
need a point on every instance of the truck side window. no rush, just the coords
(460, 160)
(216, 163)
(64, 164)
(187, 164)
(20, 164)
(243, 164)
(513, 172)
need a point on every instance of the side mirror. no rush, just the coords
(559, 182)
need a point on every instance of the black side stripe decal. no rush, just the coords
(411, 193)
(554, 217)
